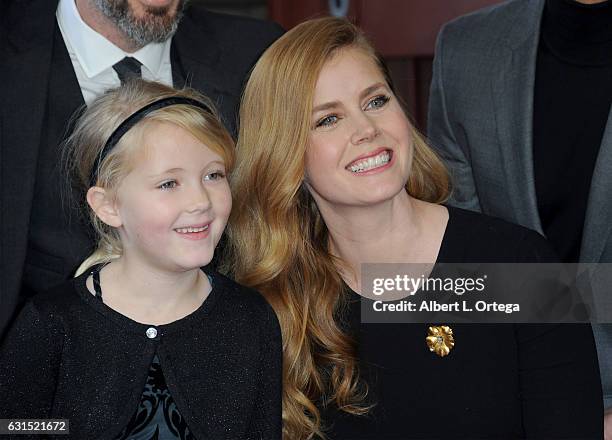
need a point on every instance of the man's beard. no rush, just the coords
(155, 26)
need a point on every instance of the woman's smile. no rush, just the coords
(371, 163)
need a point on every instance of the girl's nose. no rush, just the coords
(200, 200)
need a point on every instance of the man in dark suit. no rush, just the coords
(57, 56)
(520, 109)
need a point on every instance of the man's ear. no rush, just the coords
(103, 204)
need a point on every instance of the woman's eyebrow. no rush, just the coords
(371, 89)
(363, 94)
(325, 106)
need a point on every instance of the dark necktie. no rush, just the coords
(128, 68)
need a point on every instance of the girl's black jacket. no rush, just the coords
(70, 356)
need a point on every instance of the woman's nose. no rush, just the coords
(365, 130)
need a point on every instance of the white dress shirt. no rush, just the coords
(93, 56)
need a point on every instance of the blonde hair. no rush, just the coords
(95, 125)
(278, 242)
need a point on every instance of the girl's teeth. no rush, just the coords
(191, 230)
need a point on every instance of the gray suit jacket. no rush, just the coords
(480, 120)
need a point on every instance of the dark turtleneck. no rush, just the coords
(573, 91)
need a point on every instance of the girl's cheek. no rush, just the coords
(224, 201)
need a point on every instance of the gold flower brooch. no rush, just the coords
(440, 339)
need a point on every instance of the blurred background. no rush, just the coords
(403, 31)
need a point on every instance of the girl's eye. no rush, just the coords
(327, 121)
(378, 102)
(215, 175)
(170, 184)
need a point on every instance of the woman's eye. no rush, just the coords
(216, 175)
(378, 102)
(168, 185)
(327, 121)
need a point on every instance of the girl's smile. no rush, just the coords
(194, 232)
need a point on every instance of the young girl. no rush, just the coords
(142, 343)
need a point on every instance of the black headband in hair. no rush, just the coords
(133, 119)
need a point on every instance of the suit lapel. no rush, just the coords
(513, 89)
(197, 63)
(28, 58)
(598, 219)
(194, 71)
(64, 93)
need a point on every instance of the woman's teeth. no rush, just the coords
(190, 230)
(371, 162)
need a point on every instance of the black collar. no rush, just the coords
(578, 33)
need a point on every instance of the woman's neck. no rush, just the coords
(402, 230)
(150, 295)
